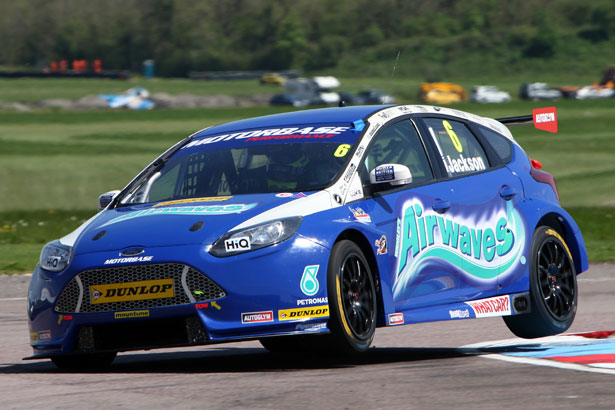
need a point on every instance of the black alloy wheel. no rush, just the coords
(556, 278)
(352, 298)
(553, 288)
(357, 295)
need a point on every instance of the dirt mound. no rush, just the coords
(162, 100)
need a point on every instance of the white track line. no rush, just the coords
(548, 363)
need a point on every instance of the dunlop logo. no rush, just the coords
(304, 313)
(122, 292)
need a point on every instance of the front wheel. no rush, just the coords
(352, 298)
(553, 288)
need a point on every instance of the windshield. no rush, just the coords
(271, 168)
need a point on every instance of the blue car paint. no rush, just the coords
(322, 115)
(269, 279)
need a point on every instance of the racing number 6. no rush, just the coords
(449, 130)
(342, 150)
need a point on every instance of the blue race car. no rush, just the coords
(310, 229)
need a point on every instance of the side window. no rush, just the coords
(500, 144)
(398, 144)
(460, 151)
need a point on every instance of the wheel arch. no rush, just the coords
(572, 236)
(363, 243)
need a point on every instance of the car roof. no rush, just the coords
(313, 116)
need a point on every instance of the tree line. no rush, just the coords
(310, 35)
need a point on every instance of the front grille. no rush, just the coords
(190, 286)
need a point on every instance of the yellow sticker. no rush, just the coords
(341, 151)
(304, 313)
(557, 235)
(122, 292)
(131, 314)
(189, 200)
(449, 130)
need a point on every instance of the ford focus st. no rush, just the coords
(309, 230)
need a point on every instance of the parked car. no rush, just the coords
(136, 98)
(314, 91)
(366, 97)
(441, 93)
(538, 91)
(308, 230)
(373, 96)
(594, 92)
(488, 94)
(272, 78)
(288, 99)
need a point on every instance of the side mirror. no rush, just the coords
(106, 198)
(394, 174)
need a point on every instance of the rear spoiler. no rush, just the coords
(543, 118)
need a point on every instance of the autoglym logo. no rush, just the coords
(257, 317)
(309, 283)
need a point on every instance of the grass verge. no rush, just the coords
(23, 233)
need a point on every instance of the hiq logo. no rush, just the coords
(237, 244)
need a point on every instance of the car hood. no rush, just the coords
(173, 223)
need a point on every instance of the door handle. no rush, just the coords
(507, 193)
(441, 206)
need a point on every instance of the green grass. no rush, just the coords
(35, 89)
(64, 160)
(23, 234)
(29, 90)
(597, 227)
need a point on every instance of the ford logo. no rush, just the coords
(132, 252)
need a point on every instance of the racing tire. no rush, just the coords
(353, 304)
(85, 361)
(553, 288)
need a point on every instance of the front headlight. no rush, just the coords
(255, 237)
(55, 256)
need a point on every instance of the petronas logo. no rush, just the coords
(309, 283)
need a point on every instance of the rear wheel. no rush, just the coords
(85, 361)
(553, 288)
(352, 298)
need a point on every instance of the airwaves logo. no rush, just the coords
(309, 283)
(479, 249)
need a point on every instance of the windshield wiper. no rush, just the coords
(152, 168)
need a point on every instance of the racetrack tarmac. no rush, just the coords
(410, 367)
